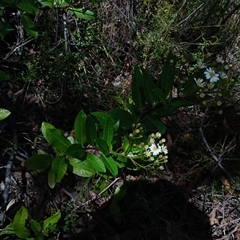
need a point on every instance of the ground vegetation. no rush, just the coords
(119, 119)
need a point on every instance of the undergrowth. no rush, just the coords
(103, 93)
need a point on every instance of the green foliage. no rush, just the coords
(4, 113)
(103, 142)
(55, 137)
(81, 13)
(4, 75)
(114, 207)
(129, 137)
(191, 27)
(29, 7)
(19, 223)
(25, 228)
(5, 29)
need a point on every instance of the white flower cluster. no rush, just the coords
(154, 154)
(210, 75)
(209, 81)
(156, 151)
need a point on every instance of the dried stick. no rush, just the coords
(218, 160)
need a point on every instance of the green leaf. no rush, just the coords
(47, 3)
(28, 25)
(148, 86)
(101, 117)
(53, 3)
(95, 163)
(76, 151)
(51, 179)
(121, 161)
(126, 144)
(160, 95)
(82, 13)
(108, 130)
(166, 79)
(138, 96)
(110, 164)
(38, 162)
(49, 224)
(126, 118)
(19, 223)
(115, 211)
(79, 127)
(120, 192)
(102, 144)
(190, 87)
(4, 113)
(177, 103)
(161, 127)
(80, 168)
(71, 139)
(4, 75)
(5, 29)
(135, 112)
(116, 126)
(55, 137)
(35, 226)
(59, 168)
(8, 230)
(7, 3)
(28, 6)
(162, 111)
(91, 132)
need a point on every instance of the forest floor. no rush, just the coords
(196, 197)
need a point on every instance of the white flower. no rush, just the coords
(151, 140)
(210, 74)
(155, 149)
(219, 59)
(148, 153)
(210, 85)
(130, 154)
(158, 135)
(161, 168)
(200, 82)
(223, 75)
(201, 65)
(163, 141)
(164, 150)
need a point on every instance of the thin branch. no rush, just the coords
(218, 160)
(188, 18)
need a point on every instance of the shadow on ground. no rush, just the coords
(152, 210)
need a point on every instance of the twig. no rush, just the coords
(188, 18)
(228, 235)
(218, 160)
(105, 189)
(28, 40)
(99, 194)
